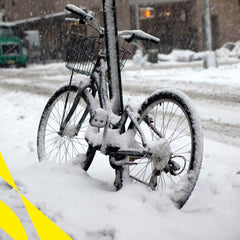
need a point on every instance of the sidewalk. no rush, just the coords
(130, 66)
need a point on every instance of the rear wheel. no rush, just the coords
(169, 119)
(71, 144)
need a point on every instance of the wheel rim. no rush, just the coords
(171, 120)
(60, 149)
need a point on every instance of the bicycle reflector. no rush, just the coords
(147, 13)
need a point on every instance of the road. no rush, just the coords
(216, 93)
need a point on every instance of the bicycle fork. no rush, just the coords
(65, 120)
(97, 77)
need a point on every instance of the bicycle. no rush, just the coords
(159, 144)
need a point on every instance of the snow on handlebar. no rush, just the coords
(130, 35)
(80, 12)
(90, 16)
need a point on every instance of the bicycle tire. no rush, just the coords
(174, 116)
(60, 149)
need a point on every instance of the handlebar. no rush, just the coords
(127, 35)
(90, 16)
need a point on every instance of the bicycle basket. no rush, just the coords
(81, 55)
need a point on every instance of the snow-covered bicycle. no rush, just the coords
(158, 144)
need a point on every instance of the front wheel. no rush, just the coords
(60, 148)
(170, 122)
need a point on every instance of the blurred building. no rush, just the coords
(43, 22)
(15, 10)
(178, 23)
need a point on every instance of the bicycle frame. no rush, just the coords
(114, 104)
(97, 80)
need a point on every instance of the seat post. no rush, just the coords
(111, 40)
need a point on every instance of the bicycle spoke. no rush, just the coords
(177, 137)
(53, 129)
(188, 144)
(179, 123)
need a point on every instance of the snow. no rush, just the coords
(110, 25)
(138, 34)
(72, 8)
(138, 58)
(228, 52)
(85, 205)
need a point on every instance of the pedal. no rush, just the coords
(99, 118)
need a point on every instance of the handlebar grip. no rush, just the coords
(80, 12)
(155, 40)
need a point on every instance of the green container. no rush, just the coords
(12, 52)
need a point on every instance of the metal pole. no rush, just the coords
(137, 14)
(208, 27)
(210, 60)
(111, 40)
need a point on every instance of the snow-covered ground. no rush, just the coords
(85, 205)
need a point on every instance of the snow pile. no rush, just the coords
(229, 51)
(182, 56)
(138, 58)
(85, 205)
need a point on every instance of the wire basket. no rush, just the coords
(82, 54)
